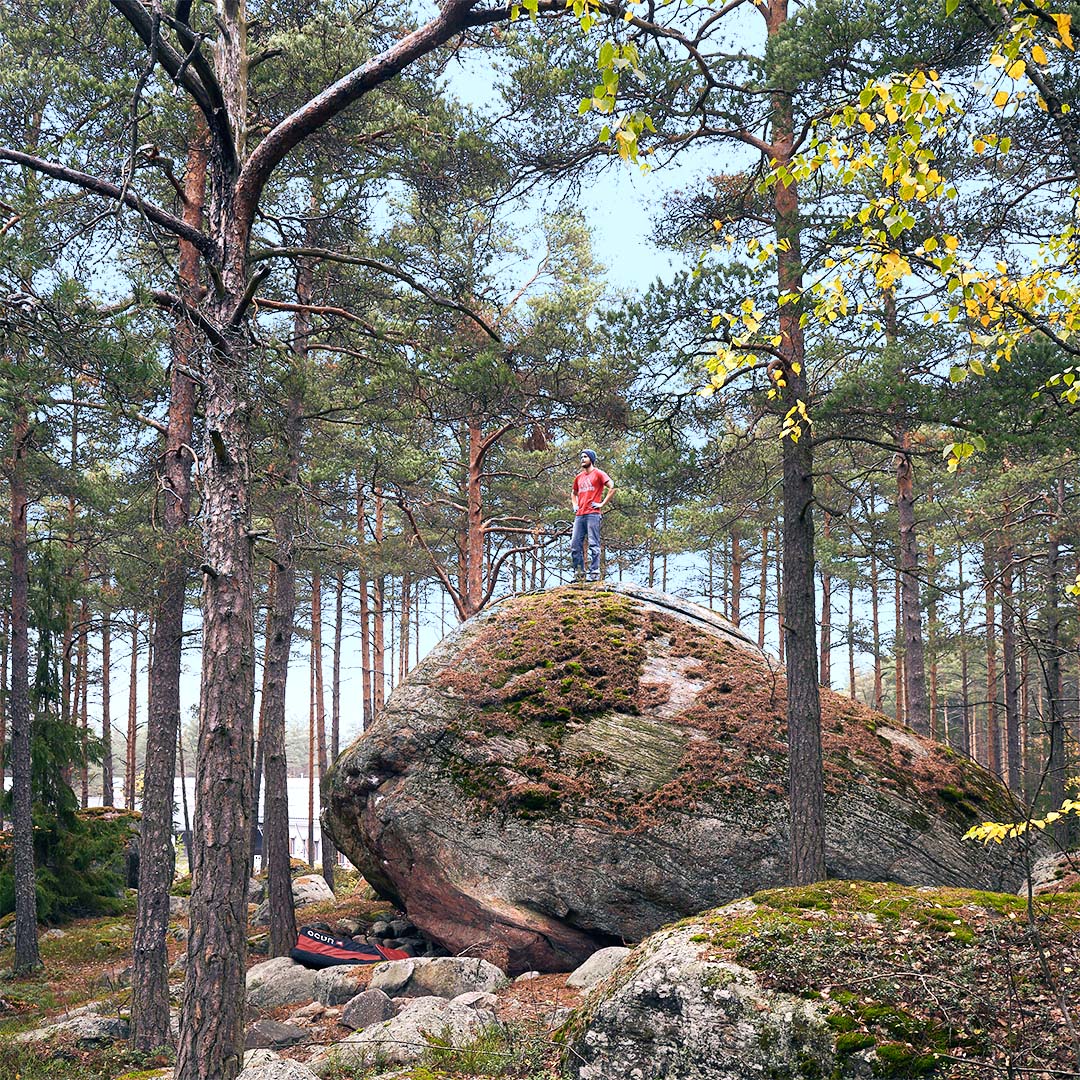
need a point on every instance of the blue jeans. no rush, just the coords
(586, 524)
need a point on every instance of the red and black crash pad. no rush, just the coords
(317, 949)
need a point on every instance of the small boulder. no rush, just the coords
(601, 964)
(180, 905)
(255, 891)
(339, 984)
(403, 1039)
(311, 889)
(272, 1035)
(280, 981)
(307, 889)
(367, 1008)
(437, 976)
(266, 1065)
(86, 1029)
(477, 999)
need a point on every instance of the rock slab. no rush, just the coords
(280, 981)
(403, 1039)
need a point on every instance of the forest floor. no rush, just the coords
(940, 982)
(88, 960)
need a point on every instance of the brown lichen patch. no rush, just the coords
(553, 658)
(571, 669)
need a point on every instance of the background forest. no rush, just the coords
(327, 363)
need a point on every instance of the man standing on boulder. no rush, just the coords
(589, 485)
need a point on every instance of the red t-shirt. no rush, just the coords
(589, 489)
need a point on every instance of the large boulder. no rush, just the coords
(574, 769)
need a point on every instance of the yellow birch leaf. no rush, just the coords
(1016, 69)
(1064, 28)
(1001, 99)
(1038, 54)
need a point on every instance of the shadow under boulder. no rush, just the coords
(576, 768)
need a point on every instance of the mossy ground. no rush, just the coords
(543, 666)
(942, 981)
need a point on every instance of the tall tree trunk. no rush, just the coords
(993, 724)
(80, 699)
(365, 612)
(260, 747)
(27, 957)
(805, 769)
(320, 710)
(851, 637)
(1007, 558)
(826, 613)
(898, 649)
(763, 587)
(875, 630)
(378, 657)
(335, 687)
(311, 760)
(1057, 761)
(133, 716)
(404, 635)
(5, 632)
(108, 794)
(917, 708)
(150, 975)
(966, 742)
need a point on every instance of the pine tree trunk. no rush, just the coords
(875, 631)
(993, 727)
(108, 794)
(826, 614)
(133, 716)
(280, 620)
(851, 637)
(1007, 557)
(27, 957)
(763, 588)
(365, 613)
(81, 699)
(5, 632)
(379, 617)
(966, 742)
(917, 710)
(898, 649)
(320, 710)
(335, 687)
(260, 746)
(1057, 760)
(805, 770)
(150, 975)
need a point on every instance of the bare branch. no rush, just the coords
(152, 213)
(380, 267)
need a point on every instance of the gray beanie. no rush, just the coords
(591, 455)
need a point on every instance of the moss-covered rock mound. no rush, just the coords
(580, 767)
(842, 979)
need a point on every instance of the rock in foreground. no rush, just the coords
(577, 768)
(843, 979)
